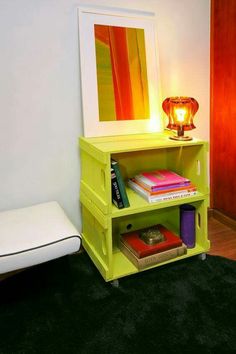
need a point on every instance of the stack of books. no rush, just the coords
(119, 195)
(143, 255)
(161, 185)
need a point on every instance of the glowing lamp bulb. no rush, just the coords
(180, 113)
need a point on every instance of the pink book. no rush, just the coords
(161, 178)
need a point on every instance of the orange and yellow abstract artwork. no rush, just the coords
(121, 73)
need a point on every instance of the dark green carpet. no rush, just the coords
(66, 307)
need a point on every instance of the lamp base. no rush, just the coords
(181, 137)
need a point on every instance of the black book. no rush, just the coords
(116, 196)
(120, 181)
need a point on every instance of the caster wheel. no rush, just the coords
(115, 283)
(202, 256)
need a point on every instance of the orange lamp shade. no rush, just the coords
(180, 111)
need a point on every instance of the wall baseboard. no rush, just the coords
(210, 212)
(224, 219)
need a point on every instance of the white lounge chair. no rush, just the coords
(36, 234)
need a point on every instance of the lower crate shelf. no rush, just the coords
(121, 266)
(102, 243)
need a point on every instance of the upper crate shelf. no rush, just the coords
(135, 153)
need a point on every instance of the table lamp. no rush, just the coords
(180, 111)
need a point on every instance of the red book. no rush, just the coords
(141, 249)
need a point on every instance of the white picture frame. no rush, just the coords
(88, 17)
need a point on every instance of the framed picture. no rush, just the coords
(119, 72)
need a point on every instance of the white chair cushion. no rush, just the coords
(34, 235)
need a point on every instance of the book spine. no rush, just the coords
(142, 263)
(160, 197)
(162, 256)
(171, 186)
(154, 188)
(165, 190)
(137, 186)
(116, 196)
(173, 196)
(121, 184)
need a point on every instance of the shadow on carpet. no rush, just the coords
(65, 306)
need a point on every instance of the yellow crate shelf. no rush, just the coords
(103, 222)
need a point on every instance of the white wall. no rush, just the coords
(40, 106)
